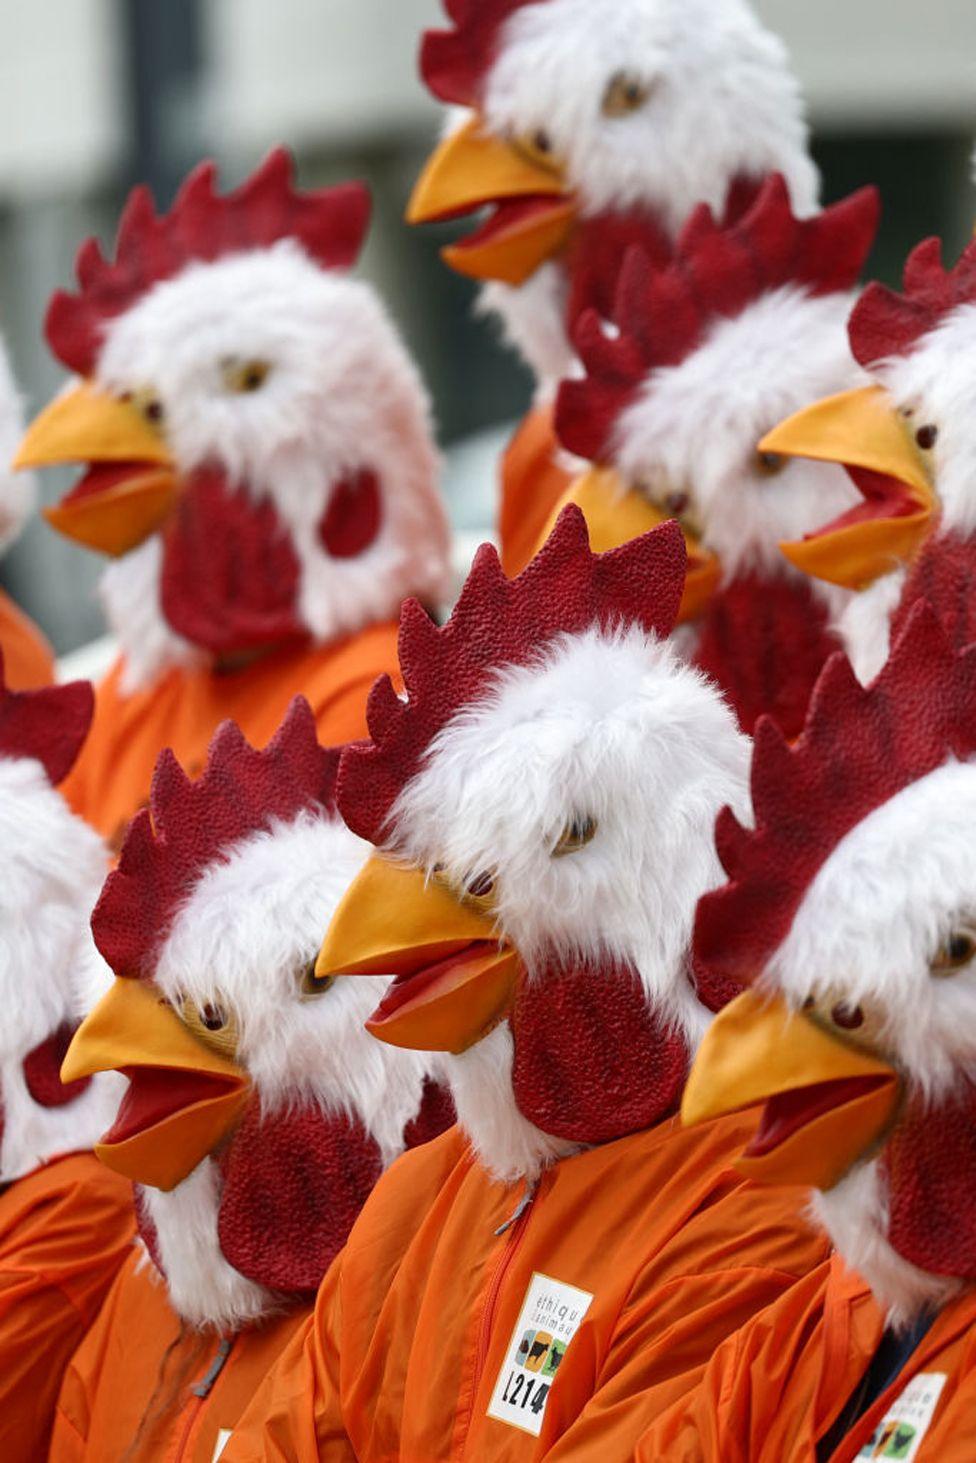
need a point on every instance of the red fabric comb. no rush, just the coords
(189, 826)
(454, 63)
(330, 224)
(885, 323)
(860, 747)
(663, 314)
(49, 725)
(500, 622)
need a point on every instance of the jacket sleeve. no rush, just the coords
(674, 1342)
(753, 1402)
(296, 1414)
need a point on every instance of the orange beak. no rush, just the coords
(827, 1103)
(533, 213)
(183, 1099)
(131, 486)
(453, 981)
(615, 514)
(861, 431)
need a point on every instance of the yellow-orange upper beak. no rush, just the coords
(862, 431)
(454, 981)
(615, 514)
(534, 213)
(828, 1102)
(131, 486)
(182, 1099)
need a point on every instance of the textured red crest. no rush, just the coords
(500, 622)
(885, 323)
(330, 224)
(454, 62)
(49, 725)
(717, 272)
(859, 749)
(190, 826)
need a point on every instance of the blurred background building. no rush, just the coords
(98, 94)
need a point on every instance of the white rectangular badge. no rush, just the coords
(899, 1434)
(551, 1314)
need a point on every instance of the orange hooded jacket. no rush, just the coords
(574, 1319)
(144, 1388)
(64, 1231)
(774, 1390)
(28, 660)
(110, 781)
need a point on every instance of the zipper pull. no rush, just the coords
(531, 1189)
(205, 1386)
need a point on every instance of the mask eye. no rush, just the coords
(311, 985)
(927, 436)
(770, 464)
(955, 951)
(539, 147)
(147, 404)
(480, 887)
(626, 93)
(245, 376)
(579, 831)
(212, 1024)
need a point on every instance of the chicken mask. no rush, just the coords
(539, 800)
(256, 440)
(849, 913)
(258, 1113)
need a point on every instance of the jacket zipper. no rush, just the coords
(514, 1230)
(199, 1393)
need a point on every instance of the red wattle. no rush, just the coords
(42, 1070)
(230, 573)
(353, 518)
(944, 575)
(930, 1166)
(592, 1063)
(765, 642)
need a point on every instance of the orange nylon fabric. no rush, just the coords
(28, 660)
(138, 1363)
(110, 781)
(415, 1320)
(774, 1390)
(64, 1231)
(532, 483)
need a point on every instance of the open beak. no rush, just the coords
(533, 213)
(861, 431)
(826, 1102)
(453, 981)
(131, 484)
(615, 514)
(182, 1099)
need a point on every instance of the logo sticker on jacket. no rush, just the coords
(551, 1314)
(901, 1430)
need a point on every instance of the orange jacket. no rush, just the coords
(64, 1231)
(110, 780)
(145, 1389)
(776, 1388)
(650, 1244)
(28, 660)
(532, 484)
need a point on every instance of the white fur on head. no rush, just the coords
(18, 490)
(866, 935)
(341, 396)
(723, 102)
(750, 372)
(250, 928)
(607, 726)
(50, 971)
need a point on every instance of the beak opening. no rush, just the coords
(452, 981)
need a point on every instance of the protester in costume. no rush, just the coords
(259, 1112)
(906, 440)
(66, 1223)
(541, 1280)
(259, 464)
(590, 126)
(849, 908)
(28, 660)
(703, 355)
